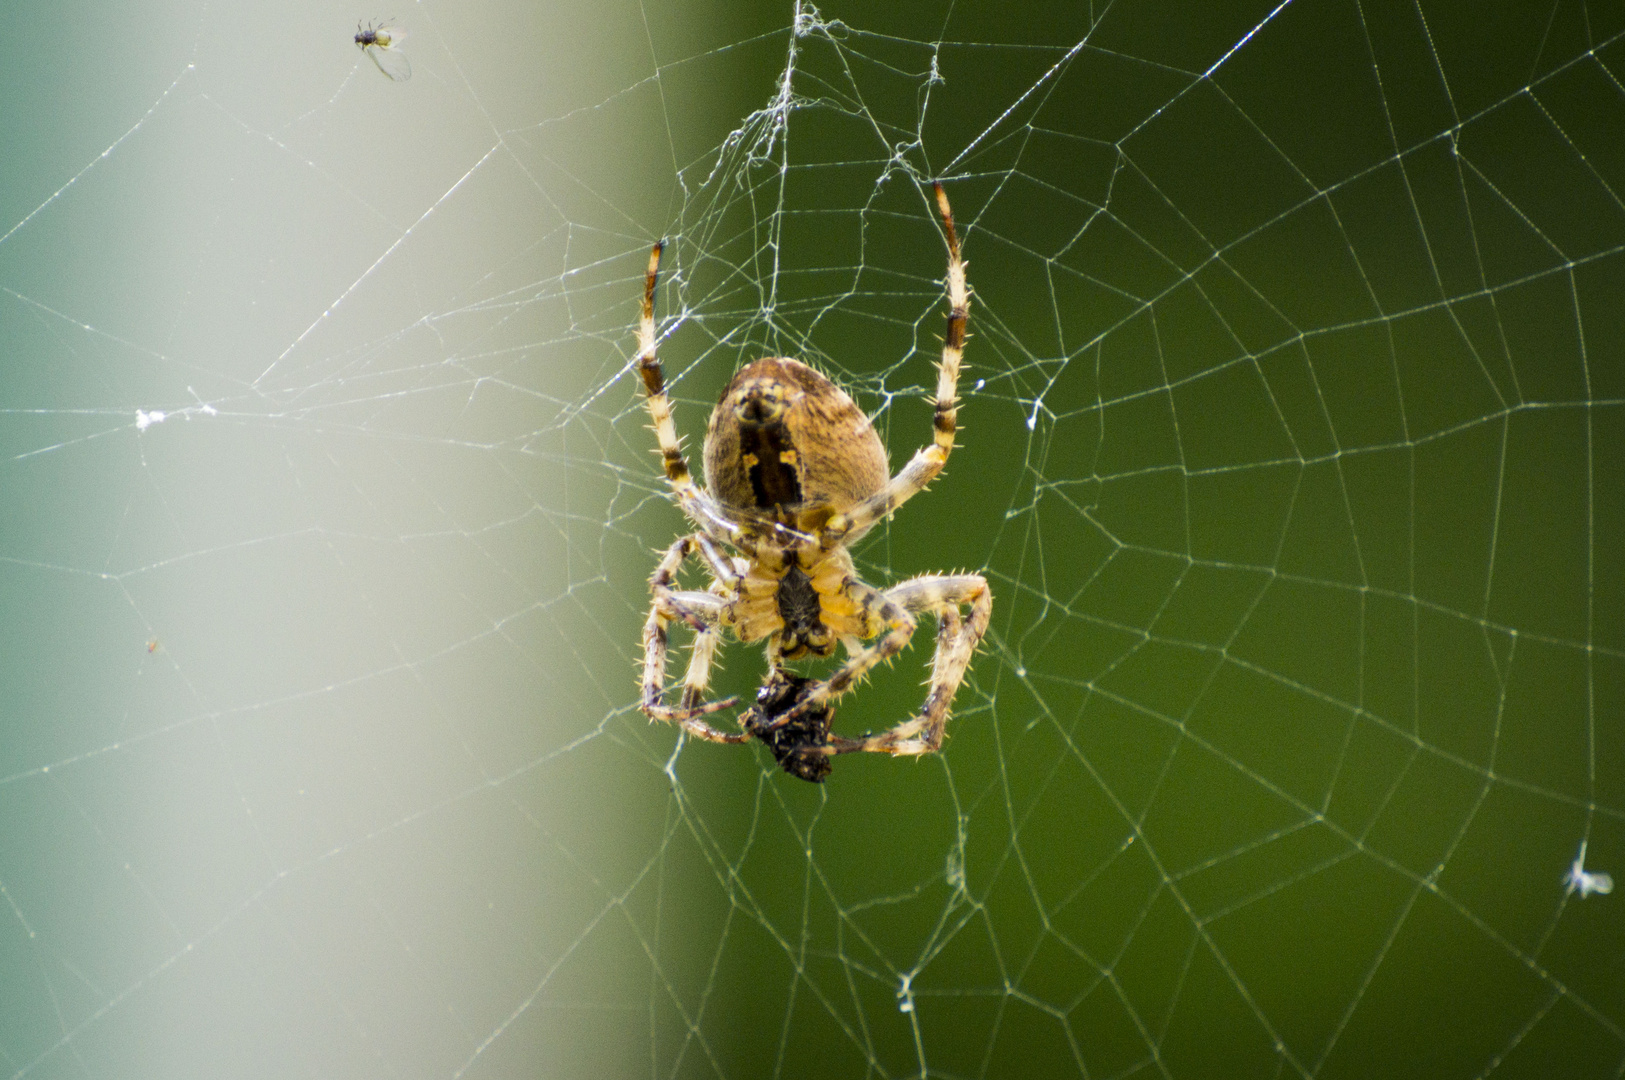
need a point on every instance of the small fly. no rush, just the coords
(382, 43)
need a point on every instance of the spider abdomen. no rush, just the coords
(782, 436)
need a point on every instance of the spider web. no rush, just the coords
(1294, 451)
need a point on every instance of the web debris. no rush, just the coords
(905, 995)
(1585, 882)
(145, 418)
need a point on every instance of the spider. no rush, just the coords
(794, 475)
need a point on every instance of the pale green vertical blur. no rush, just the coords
(288, 675)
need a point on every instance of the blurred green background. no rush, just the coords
(1294, 450)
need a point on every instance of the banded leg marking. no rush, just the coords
(701, 610)
(928, 461)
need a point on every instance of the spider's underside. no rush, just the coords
(795, 473)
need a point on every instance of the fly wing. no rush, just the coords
(391, 62)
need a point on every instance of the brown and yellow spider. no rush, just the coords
(795, 474)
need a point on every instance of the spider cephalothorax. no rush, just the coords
(794, 474)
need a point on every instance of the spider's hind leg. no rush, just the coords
(897, 627)
(957, 638)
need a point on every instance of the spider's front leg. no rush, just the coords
(694, 500)
(704, 612)
(957, 638)
(929, 461)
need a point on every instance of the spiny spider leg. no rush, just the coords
(929, 461)
(957, 639)
(699, 506)
(704, 611)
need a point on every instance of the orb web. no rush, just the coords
(1293, 426)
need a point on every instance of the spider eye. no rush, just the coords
(760, 405)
